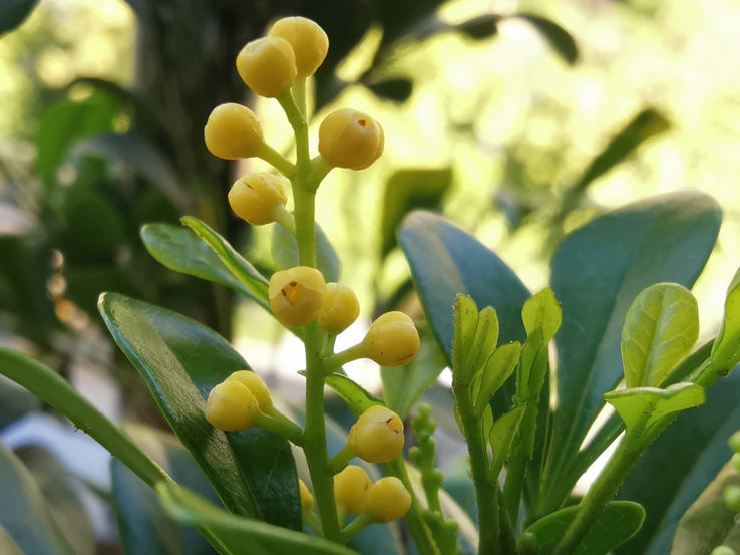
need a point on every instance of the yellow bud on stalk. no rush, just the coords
(256, 198)
(267, 65)
(377, 436)
(350, 489)
(387, 500)
(296, 295)
(256, 385)
(306, 497)
(233, 131)
(340, 308)
(231, 407)
(350, 139)
(309, 41)
(392, 339)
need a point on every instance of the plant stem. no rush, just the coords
(276, 160)
(305, 228)
(342, 458)
(486, 490)
(335, 361)
(360, 522)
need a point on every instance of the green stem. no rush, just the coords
(285, 219)
(355, 527)
(305, 228)
(276, 422)
(312, 521)
(486, 490)
(299, 93)
(276, 160)
(342, 458)
(337, 360)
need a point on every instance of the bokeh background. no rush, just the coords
(518, 120)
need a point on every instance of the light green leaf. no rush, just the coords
(502, 434)
(357, 398)
(466, 323)
(542, 309)
(726, 348)
(619, 521)
(236, 535)
(242, 270)
(484, 343)
(183, 251)
(497, 370)
(661, 327)
(285, 252)
(532, 367)
(644, 406)
(23, 512)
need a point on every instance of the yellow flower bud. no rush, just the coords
(267, 66)
(350, 139)
(340, 308)
(387, 499)
(256, 385)
(233, 131)
(309, 41)
(392, 339)
(296, 295)
(256, 197)
(377, 436)
(350, 489)
(306, 497)
(231, 407)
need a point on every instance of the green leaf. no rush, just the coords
(240, 536)
(285, 252)
(23, 511)
(532, 367)
(406, 190)
(357, 398)
(465, 325)
(183, 251)
(708, 522)
(559, 39)
(67, 122)
(497, 370)
(397, 89)
(660, 329)
(726, 348)
(597, 272)
(54, 390)
(239, 267)
(542, 309)
(644, 406)
(446, 261)
(502, 434)
(143, 527)
(253, 472)
(619, 521)
(7, 545)
(484, 343)
(679, 465)
(13, 12)
(136, 152)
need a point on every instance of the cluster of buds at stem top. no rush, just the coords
(377, 436)
(350, 139)
(297, 295)
(382, 501)
(237, 403)
(233, 132)
(258, 198)
(339, 309)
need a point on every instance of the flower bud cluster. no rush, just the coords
(237, 403)
(382, 501)
(377, 436)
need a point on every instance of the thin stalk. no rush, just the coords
(276, 160)
(342, 458)
(305, 228)
(355, 527)
(486, 490)
(337, 360)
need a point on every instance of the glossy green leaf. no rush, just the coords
(542, 309)
(240, 536)
(402, 386)
(446, 261)
(143, 527)
(497, 370)
(644, 406)
(465, 325)
(406, 190)
(357, 398)
(285, 252)
(558, 38)
(239, 267)
(54, 390)
(726, 348)
(502, 434)
(253, 472)
(532, 366)
(23, 511)
(679, 465)
(397, 89)
(484, 342)
(140, 155)
(619, 521)
(597, 272)
(660, 329)
(708, 522)
(14, 12)
(182, 250)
